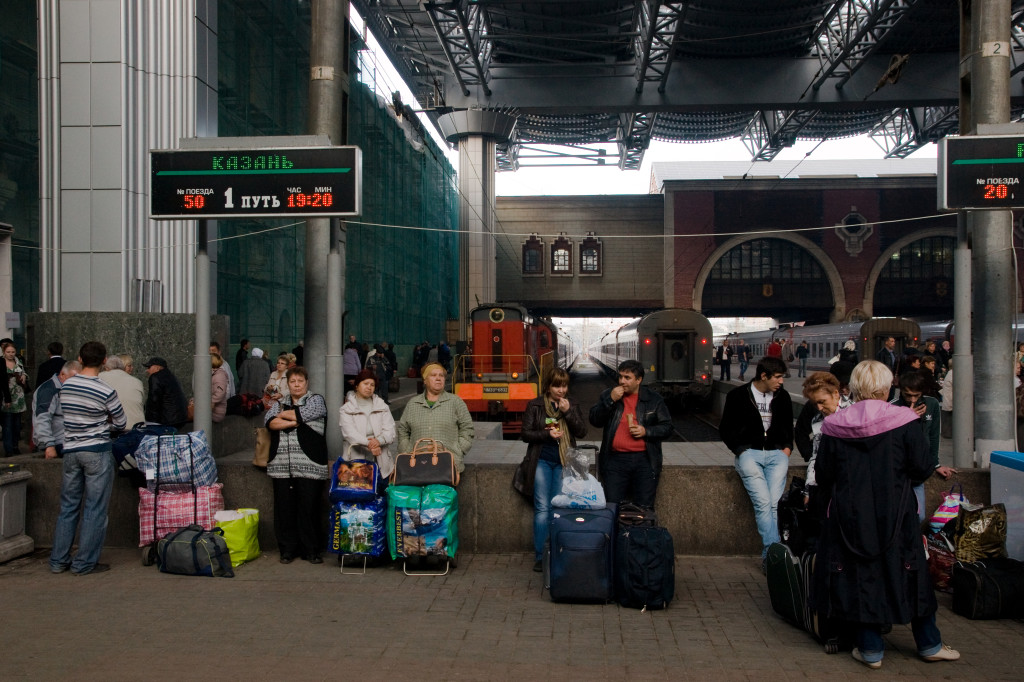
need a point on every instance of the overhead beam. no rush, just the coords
(658, 25)
(732, 84)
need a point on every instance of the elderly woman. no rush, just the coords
(551, 425)
(298, 468)
(872, 568)
(368, 427)
(822, 391)
(437, 414)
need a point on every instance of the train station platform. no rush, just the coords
(487, 619)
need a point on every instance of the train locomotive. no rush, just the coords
(675, 346)
(509, 354)
(825, 340)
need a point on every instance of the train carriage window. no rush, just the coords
(561, 255)
(533, 256)
(590, 255)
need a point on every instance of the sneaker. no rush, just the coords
(59, 569)
(96, 568)
(538, 566)
(857, 656)
(944, 654)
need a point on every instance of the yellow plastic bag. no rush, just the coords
(241, 532)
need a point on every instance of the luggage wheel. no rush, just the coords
(341, 565)
(832, 646)
(149, 555)
(448, 565)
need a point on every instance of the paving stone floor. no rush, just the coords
(487, 620)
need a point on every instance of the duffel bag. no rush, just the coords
(428, 463)
(195, 551)
(988, 589)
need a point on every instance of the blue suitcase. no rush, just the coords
(578, 566)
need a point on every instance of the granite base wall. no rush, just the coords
(172, 336)
(705, 508)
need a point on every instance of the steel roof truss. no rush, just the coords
(633, 138)
(906, 130)
(853, 33)
(769, 132)
(658, 24)
(461, 27)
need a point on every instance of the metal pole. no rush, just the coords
(202, 391)
(335, 302)
(995, 414)
(328, 42)
(963, 360)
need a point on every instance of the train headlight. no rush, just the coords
(480, 376)
(515, 375)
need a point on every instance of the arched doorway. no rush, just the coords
(916, 278)
(768, 277)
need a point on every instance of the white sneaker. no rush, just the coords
(946, 653)
(874, 665)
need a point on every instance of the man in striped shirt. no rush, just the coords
(90, 408)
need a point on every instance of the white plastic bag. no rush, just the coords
(580, 493)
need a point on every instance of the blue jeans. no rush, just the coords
(764, 476)
(88, 474)
(803, 368)
(919, 494)
(926, 637)
(547, 482)
(743, 368)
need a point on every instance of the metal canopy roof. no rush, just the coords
(584, 72)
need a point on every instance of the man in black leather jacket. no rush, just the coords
(635, 421)
(166, 403)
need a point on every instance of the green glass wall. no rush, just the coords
(19, 149)
(401, 283)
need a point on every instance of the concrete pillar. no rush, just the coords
(476, 132)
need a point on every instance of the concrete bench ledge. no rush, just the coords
(705, 507)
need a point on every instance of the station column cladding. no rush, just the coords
(476, 132)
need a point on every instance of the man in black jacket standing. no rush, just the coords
(166, 403)
(635, 421)
(757, 426)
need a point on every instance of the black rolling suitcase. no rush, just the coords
(785, 584)
(988, 589)
(831, 633)
(578, 562)
(645, 576)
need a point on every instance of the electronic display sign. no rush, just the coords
(979, 172)
(255, 183)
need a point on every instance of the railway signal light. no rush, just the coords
(647, 342)
(703, 342)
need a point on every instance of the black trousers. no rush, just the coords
(299, 516)
(628, 477)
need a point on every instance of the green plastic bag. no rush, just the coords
(241, 534)
(423, 521)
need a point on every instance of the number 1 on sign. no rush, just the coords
(228, 203)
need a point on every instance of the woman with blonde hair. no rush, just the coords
(871, 567)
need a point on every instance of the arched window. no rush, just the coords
(590, 255)
(561, 256)
(533, 256)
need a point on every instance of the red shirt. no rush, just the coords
(623, 440)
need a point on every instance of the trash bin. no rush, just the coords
(1007, 481)
(13, 488)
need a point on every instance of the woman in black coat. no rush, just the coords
(871, 567)
(551, 425)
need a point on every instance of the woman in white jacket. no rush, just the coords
(368, 427)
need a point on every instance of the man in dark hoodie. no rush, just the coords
(757, 426)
